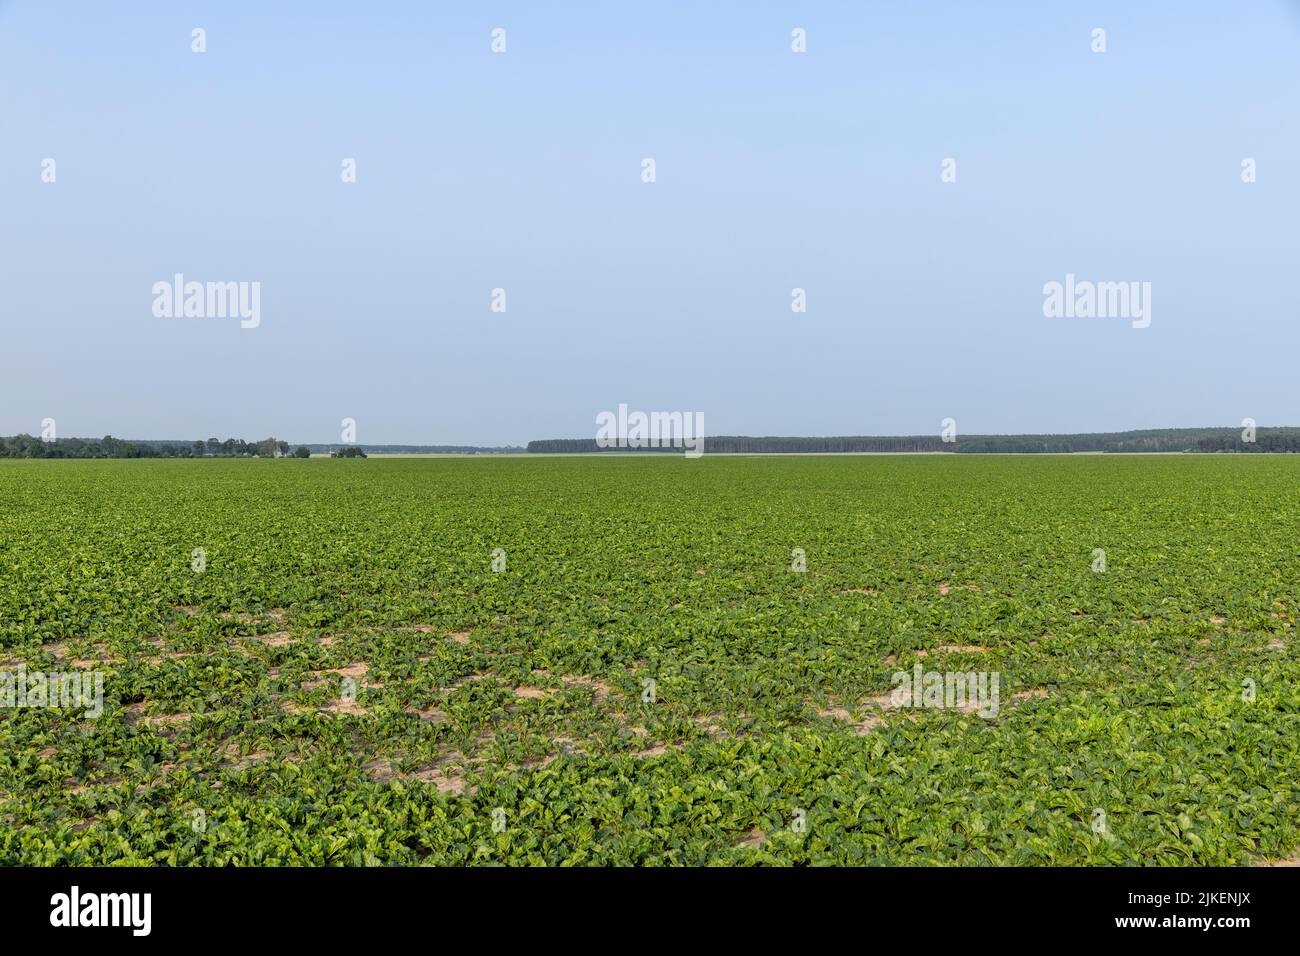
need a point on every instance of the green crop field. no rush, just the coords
(349, 671)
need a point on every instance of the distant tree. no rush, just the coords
(302, 451)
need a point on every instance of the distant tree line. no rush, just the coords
(1204, 440)
(743, 444)
(1149, 440)
(238, 448)
(1266, 440)
(27, 446)
(423, 449)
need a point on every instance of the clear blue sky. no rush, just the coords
(522, 171)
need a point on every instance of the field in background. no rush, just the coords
(646, 680)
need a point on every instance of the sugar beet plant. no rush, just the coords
(652, 661)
